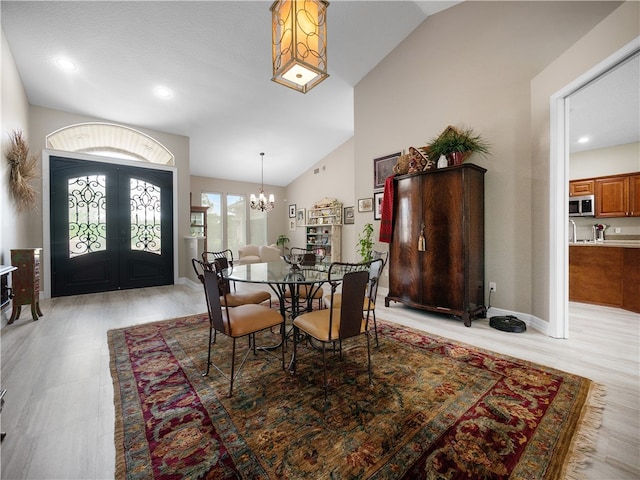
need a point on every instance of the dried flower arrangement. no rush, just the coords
(23, 169)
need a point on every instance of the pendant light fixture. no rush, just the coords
(299, 37)
(261, 202)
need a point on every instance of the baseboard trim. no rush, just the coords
(530, 320)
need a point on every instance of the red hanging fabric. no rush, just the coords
(386, 222)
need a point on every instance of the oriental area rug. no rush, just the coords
(437, 409)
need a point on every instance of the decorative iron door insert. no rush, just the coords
(111, 227)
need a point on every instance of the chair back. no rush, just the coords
(199, 267)
(308, 257)
(225, 258)
(383, 255)
(320, 254)
(375, 271)
(214, 306)
(354, 285)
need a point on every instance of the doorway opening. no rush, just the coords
(559, 189)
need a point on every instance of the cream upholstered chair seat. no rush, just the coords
(249, 318)
(317, 324)
(232, 299)
(236, 299)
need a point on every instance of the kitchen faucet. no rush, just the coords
(573, 236)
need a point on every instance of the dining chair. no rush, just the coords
(234, 299)
(237, 322)
(333, 325)
(225, 257)
(307, 293)
(375, 272)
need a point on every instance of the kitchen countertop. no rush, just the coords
(607, 243)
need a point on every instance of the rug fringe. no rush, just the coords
(586, 437)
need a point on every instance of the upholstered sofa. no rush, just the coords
(257, 254)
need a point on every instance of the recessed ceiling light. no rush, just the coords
(163, 92)
(65, 64)
(583, 140)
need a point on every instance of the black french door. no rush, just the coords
(111, 227)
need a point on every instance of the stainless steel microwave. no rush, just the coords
(582, 206)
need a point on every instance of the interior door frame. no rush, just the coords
(559, 191)
(45, 259)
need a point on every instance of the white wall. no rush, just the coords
(335, 179)
(14, 115)
(601, 162)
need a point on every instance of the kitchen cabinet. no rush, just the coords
(447, 275)
(581, 187)
(618, 196)
(604, 275)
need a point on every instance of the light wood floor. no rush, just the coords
(59, 414)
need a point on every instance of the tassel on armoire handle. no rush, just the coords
(422, 243)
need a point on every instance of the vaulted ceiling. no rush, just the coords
(215, 57)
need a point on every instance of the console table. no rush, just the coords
(26, 282)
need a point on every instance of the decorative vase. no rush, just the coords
(457, 157)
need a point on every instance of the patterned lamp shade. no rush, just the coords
(299, 52)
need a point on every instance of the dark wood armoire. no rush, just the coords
(446, 274)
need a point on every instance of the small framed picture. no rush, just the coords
(292, 211)
(365, 205)
(292, 225)
(377, 205)
(300, 219)
(383, 168)
(349, 217)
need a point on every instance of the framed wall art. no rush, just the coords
(292, 211)
(377, 205)
(300, 219)
(292, 225)
(365, 205)
(349, 216)
(383, 168)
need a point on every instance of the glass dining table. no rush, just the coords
(282, 277)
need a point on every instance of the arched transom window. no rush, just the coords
(110, 140)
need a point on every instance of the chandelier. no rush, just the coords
(299, 38)
(261, 202)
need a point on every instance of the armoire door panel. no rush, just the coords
(442, 283)
(404, 277)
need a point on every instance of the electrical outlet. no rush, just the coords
(492, 286)
(616, 230)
